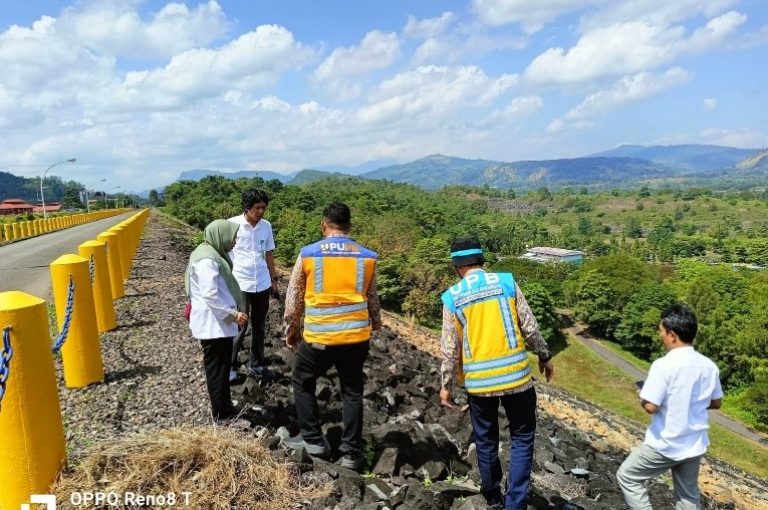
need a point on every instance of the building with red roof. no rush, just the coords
(49, 207)
(12, 206)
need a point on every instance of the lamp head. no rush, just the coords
(71, 160)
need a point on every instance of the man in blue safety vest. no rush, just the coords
(486, 324)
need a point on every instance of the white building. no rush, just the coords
(545, 254)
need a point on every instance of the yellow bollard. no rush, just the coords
(81, 353)
(8, 228)
(96, 254)
(32, 450)
(125, 256)
(114, 263)
(16, 230)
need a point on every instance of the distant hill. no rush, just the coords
(27, 188)
(758, 160)
(196, 175)
(700, 158)
(309, 175)
(362, 168)
(438, 170)
(624, 166)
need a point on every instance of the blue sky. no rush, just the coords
(139, 91)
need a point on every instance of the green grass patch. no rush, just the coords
(626, 355)
(584, 373)
(736, 406)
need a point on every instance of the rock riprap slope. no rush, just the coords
(420, 454)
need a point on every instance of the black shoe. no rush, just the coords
(353, 461)
(232, 412)
(316, 450)
(262, 373)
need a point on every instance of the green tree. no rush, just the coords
(634, 229)
(71, 199)
(540, 301)
(597, 304)
(638, 329)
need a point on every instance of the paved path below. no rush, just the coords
(24, 265)
(595, 345)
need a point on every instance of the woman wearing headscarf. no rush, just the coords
(214, 318)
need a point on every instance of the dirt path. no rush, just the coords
(578, 332)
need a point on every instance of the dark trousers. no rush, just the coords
(521, 413)
(311, 363)
(217, 358)
(256, 305)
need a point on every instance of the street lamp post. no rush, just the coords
(42, 197)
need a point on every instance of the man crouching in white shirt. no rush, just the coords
(681, 386)
(254, 268)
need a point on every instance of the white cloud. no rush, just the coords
(710, 104)
(627, 47)
(426, 28)
(532, 15)
(627, 90)
(656, 12)
(523, 106)
(254, 60)
(747, 138)
(115, 28)
(377, 50)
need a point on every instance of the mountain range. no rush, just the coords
(627, 165)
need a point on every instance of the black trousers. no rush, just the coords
(311, 363)
(217, 359)
(256, 305)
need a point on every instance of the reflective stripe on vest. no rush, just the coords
(498, 383)
(494, 356)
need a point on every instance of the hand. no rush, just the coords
(445, 398)
(292, 342)
(548, 369)
(275, 290)
(241, 318)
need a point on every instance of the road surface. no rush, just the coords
(577, 332)
(24, 265)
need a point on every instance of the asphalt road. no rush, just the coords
(639, 374)
(24, 265)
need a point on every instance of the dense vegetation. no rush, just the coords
(646, 249)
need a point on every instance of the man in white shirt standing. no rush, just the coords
(681, 386)
(254, 269)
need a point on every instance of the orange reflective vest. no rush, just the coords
(338, 273)
(484, 312)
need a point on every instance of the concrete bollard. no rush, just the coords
(125, 257)
(8, 230)
(16, 231)
(81, 353)
(96, 254)
(32, 450)
(114, 261)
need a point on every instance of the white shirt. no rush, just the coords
(249, 254)
(213, 307)
(682, 384)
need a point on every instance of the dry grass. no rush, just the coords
(220, 469)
